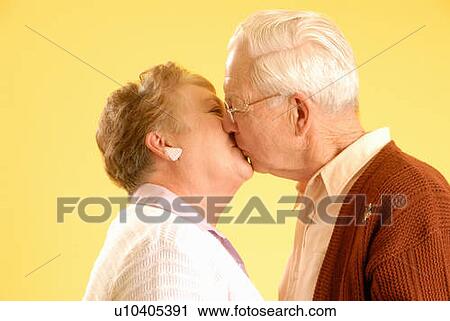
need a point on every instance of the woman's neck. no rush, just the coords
(210, 201)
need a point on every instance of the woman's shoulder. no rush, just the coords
(147, 226)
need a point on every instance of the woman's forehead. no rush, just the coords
(198, 96)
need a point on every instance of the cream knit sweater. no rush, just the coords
(165, 261)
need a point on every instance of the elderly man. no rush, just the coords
(292, 94)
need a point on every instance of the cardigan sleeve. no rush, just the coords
(421, 272)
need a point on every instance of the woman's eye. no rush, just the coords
(217, 110)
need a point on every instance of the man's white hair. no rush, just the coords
(299, 51)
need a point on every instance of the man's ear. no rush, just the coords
(302, 113)
(156, 143)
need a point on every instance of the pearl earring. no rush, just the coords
(174, 153)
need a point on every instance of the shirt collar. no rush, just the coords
(337, 173)
(154, 190)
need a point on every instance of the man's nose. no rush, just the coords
(229, 126)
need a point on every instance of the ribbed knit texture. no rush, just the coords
(406, 260)
(165, 261)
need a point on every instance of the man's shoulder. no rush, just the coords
(394, 171)
(425, 196)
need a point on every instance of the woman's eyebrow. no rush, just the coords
(216, 100)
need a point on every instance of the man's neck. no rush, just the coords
(322, 152)
(331, 146)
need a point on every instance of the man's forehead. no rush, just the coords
(236, 81)
(238, 58)
(237, 86)
(237, 70)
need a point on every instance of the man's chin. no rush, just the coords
(257, 167)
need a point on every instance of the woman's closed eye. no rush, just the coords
(219, 111)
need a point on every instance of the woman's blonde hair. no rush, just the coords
(134, 110)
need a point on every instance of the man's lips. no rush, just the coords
(247, 156)
(244, 153)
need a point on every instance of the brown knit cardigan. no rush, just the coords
(399, 254)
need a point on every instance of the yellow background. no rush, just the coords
(50, 103)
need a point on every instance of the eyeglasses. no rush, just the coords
(242, 106)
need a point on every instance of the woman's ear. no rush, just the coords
(302, 115)
(156, 144)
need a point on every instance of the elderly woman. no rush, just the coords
(163, 142)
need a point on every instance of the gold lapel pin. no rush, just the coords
(368, 212)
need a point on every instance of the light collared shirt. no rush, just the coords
(159, 196)
(311, 240)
